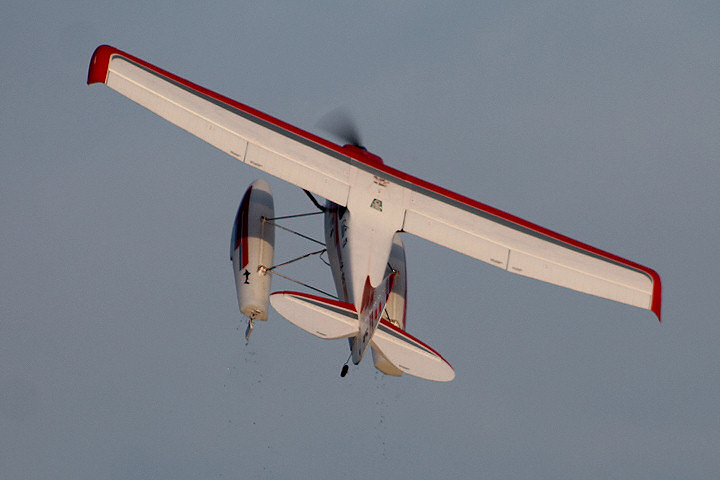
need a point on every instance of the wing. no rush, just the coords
(329, 170)
(240, 131)
(521, 247)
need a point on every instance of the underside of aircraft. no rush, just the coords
(368, 204)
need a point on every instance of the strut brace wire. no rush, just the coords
(292, 216)
(265, 220)
(319, 252)
(303, 284)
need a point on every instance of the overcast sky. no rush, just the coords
(122, 352)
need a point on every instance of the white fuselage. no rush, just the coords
(359, 253)
(359, 237)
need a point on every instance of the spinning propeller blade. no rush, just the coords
(340, 124)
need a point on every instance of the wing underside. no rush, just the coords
(428, 211)
(531, 251)
(232, 127)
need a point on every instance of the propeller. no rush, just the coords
(340, 124)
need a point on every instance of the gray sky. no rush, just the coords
(121, 345)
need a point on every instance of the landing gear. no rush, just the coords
(346, 367)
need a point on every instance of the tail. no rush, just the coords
(323, 317)
(410, 355)
(332, 319)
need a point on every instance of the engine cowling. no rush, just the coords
(251, 250)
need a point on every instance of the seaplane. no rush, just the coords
(367, 207)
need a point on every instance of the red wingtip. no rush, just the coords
(97, 73)
(656, 295)
(656, 310)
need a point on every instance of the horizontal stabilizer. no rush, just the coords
(409, 354)
(323, 317)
